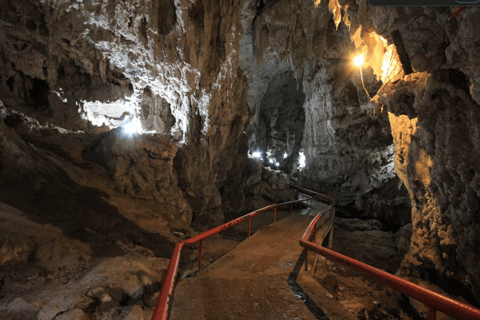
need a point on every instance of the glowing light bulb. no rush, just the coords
(277, 164)
(132, 127)
(285, 155)
(358, 60)
(257, 155)
(270, 160)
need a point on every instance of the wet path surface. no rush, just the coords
(262, 278)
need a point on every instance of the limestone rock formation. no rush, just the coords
(121, 125)
(305, 96)
(435, 138)
(434, 119)
(169, 67)
(119, 287)
(141, 167)
(346, 139)
(127, 124)
(265, 186)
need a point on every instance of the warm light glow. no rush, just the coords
(358, 60)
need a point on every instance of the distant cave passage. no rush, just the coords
(282, 120)
(39, 93)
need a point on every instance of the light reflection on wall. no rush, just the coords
(301, 160)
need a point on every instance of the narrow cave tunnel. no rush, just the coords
(281, 121)
(127, 128)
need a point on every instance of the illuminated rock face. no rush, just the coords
(435, 136)
(95, 60)
(305, 94)
(169, 65)
(434, 120)
(350, 152)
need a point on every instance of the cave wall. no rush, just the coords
(346, 139)
(172, 65)
(82, 202)
(197, 71)
(436, 156)
(414, 142)
(433, 114)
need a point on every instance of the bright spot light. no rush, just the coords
(270, 160)
(134, 126)
(285, 155)
(257, 155)
(358, 60)
(277, 164)
(386, 64)
(301, 160)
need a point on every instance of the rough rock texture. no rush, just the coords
(436, 136)
(71, 72)
(306, 96)
(47, 179)
(385, 249)
(169, 65)
(349, 150)
(434, 120)
(366, 241)
(141, 167)
(194, 73)
(119, 288)
(265, 186)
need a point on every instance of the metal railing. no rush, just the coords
(434, 300)
(162, 307)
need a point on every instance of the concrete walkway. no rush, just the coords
(262, 278)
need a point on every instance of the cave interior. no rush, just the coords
(129, 126)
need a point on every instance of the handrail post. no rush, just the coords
(275, 215)
(200, 256)
(330, 238)
(306, 259)
(162, 308)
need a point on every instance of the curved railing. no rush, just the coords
(432, 299)
(161, 311)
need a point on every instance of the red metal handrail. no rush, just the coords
(428, 297)
(161, 311)
(434, 300)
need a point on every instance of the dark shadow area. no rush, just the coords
(83, 213)
(279, 123)
(394, 214)
(166, 16)
(45, 193)
(39, 94)
(298, 291)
